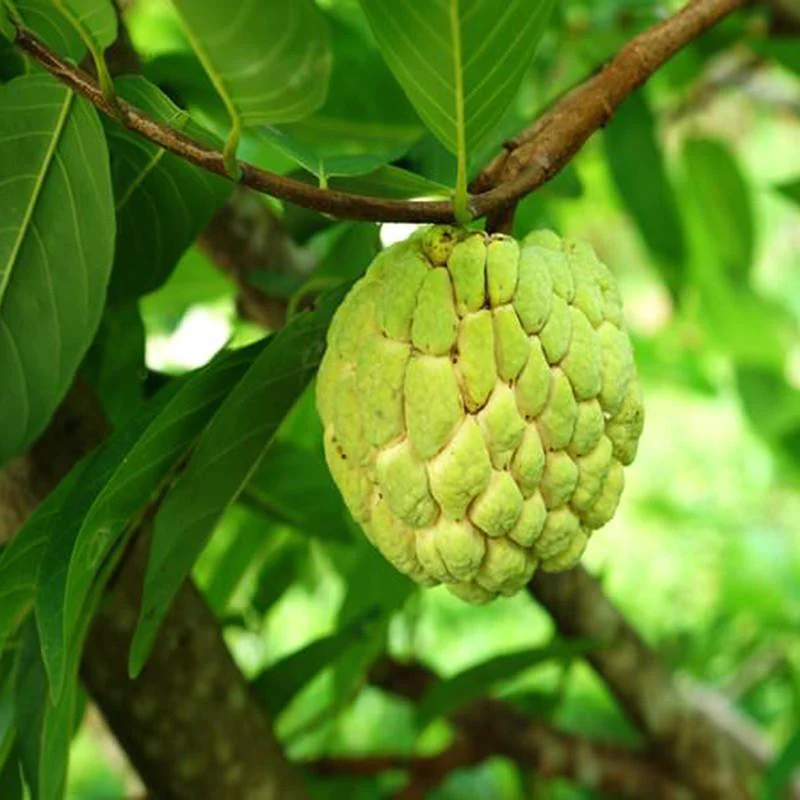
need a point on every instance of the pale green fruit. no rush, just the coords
(480, 398)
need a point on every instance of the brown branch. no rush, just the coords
(188, 723)
(684, 737)
(541, 151)
(498, 728)
(535, 157)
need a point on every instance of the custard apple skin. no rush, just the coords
(479, 399)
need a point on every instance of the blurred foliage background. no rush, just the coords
(692, 197)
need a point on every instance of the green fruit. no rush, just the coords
(480, 398)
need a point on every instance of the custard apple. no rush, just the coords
(479, 400)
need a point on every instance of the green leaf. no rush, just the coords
(44, 729)
(114, 365)
(786, 51)
(780, 772)
(162, 201)
(450, 694)
(114, 489)
(246, 542)
(722, 199)
(637, 166)
(392, 182)
(11, 787)
(226, 456)
(371, 583)
(459, 61)
(269, 62)
(12, 62)
(56, 248)
(791, 191)
(295, 487)
(366, 120)
(279, 570)
(97, 17)
(277, 685)
(41, 17)
(21, 559)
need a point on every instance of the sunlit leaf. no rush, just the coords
(270, 62)
(459, 61)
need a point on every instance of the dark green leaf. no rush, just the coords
(12, 62)
(44, 729)
(270, 62)
(115, 487)
(162, 201)
(114, 365)
(452, 57)
(56, 248)
(786, 51)
(11, 787)
(637, 165)
(52, 28)
(371, 583)
(226, 456)
(791, 190)
(295, 486)
(780, 772)
(392, 182)
(279, 570)
(21, 559)
(366, 120)
(450, 694)
(722, 198)
(277, 685)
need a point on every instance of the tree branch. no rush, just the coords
(532, 159)
(495, 727)
(188, 722)
(685, 738)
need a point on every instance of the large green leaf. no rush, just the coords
(636, 161)
(162, 201)
(366, 120)
(459, 61)
(47, 23)
(95, 17)
(115, 487)
(44, 729)
(270, 62)
(11, 787)
(295, 486)
(277, 685)
(226, 456)
(56, 248)
(447, 695)
(115, 364)
(722, 199)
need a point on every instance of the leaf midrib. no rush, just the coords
(37, 190)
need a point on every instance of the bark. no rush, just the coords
(683, 737)
(188, 723)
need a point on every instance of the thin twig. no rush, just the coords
(512, 175)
